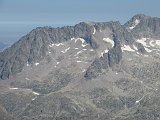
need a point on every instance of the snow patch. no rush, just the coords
(36, 64)
(91, 50)
(148, 50)
(143, 42)
(94, 31)
(27, 64)
(139, 100)
(33, 99)
(105, 51)
(57, 63)
(82, 40)
(13, 88)
(59, 44)
(79, 52)
(78, 61)
(135, 47)
(64, 51)
(51, 45)
(151, 43)
(158, 42)
(135, 24)
(76, 48)
(108, 40)
(72, 39)
(127, 48)
(36, 93)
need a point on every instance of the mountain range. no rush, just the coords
(90, 71)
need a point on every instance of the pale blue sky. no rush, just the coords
(17, 17)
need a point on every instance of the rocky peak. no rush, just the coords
(144, 26)
(35, 46)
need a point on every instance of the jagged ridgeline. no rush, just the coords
(90, 71)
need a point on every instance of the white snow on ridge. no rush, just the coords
(59, 44)
(27, 64)
(35, 93)
(64, 51)
(158, 42)
(135, 47)
(33, 99)
(148, 50)
(78, 61)
(72, 39)
(91, 50)
(94, 31)
(135, 24)
(127, 48)
(82, 40)
(143, 42)
(139, 100)
(105, 51)
(108, 40)
(36, 64)
(13, 88)
(83, 70)
(151, 43)
(51, 45)
(79, 52)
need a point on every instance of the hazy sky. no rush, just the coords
(17, 17)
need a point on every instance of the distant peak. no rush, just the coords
(140, 16)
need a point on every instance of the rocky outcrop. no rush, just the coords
(90, 71)
(144, 26)
(34, 46)
(110, 59)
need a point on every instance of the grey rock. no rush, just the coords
(125, 84)
(149, 27)
(109, 59)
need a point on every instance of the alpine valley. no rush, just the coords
(90, 71)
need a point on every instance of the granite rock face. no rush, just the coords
(146, 26)
(90, 71)
(110, 59)
(33, 46)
